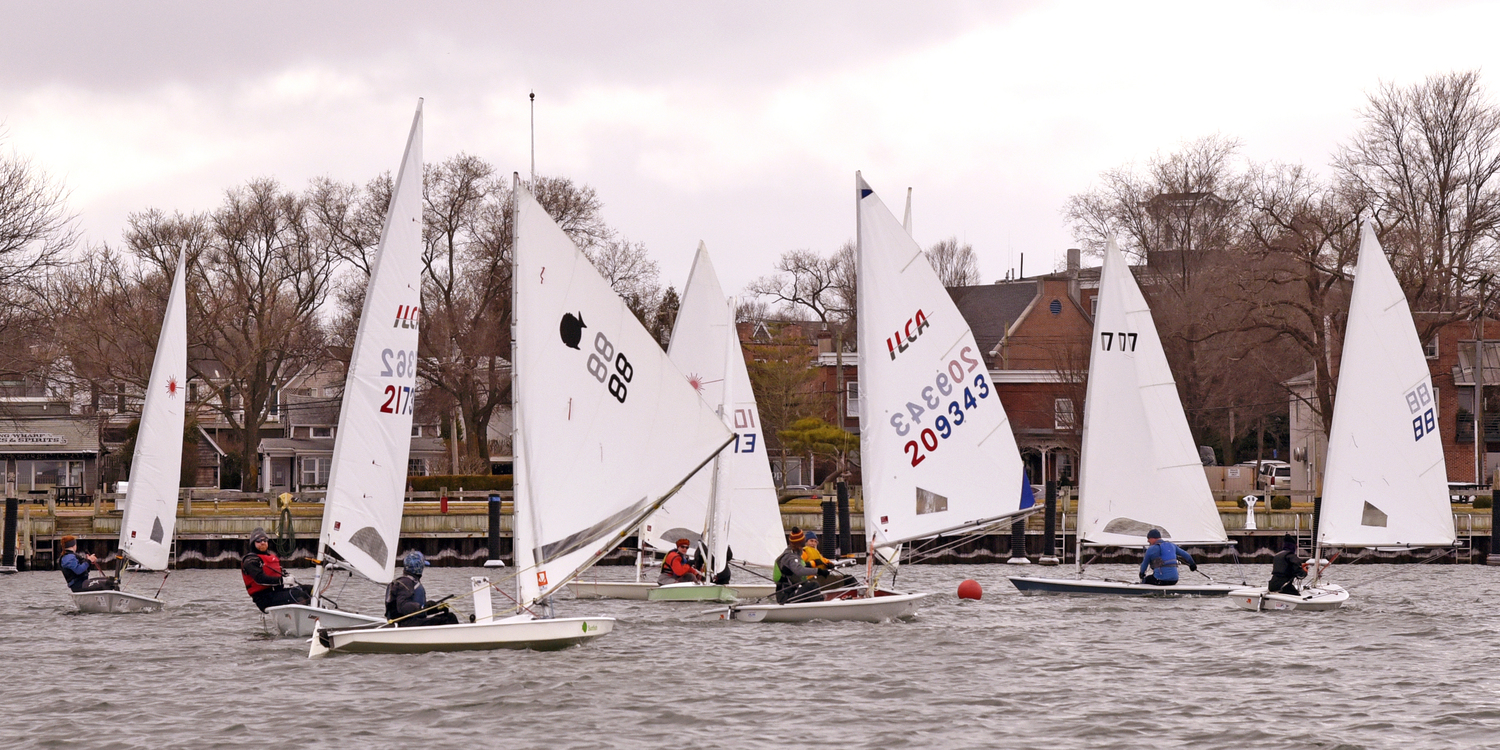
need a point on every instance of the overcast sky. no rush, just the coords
(740, 125)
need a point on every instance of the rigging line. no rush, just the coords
(1424, 561)
(163, 585)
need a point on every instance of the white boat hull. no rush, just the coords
(638, 591)
(515, 632)
(1032, 585)
(882, 607)
(300, 619)
(1312, 599)
(114, 602)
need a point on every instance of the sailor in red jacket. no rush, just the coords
(676, 568)
(261, 570)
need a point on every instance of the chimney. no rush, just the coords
(1074, 262)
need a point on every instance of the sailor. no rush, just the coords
(795, 580)
(1286, 568)
(827, 579)
(1162, 557)
(405, 596)
(264, 582)
(75, 569)
(675, 568)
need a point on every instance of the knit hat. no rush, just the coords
(684, 542)
(69, 540)
(811, 535)
(259, 535)
(796, 536)
(413, 563)
(1288, 542)
(1153, 534)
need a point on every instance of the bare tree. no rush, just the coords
(821, 285)
(1427, 164)
(955, 264)
(36, 232)
(631, 272)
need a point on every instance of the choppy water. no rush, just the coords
(1410, 662)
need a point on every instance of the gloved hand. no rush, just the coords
(1193, 567)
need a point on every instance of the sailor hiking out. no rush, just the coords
(1161, 557)
(76, 567)
(406, 596)
(796, 581)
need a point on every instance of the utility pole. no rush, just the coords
(1479, 436)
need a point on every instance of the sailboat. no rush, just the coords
(1385, 483)
(367, 480)
(156, 468)
(606, 431)
(1139, 469)
(938, 455)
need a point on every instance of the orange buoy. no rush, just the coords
(970, 590)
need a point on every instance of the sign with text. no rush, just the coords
(31, 438)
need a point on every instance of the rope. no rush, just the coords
(286, 538)
(1424, 561)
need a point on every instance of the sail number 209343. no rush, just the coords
(397, 364)
(945, 387)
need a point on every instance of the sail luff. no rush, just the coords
(367, 477)
(156, 466)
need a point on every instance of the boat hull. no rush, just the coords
(1328, 596)
(698, 592)
(1032, 585)
(637, 590)
(511, 633)
(882, 607)
(300, 619)
(114, 602)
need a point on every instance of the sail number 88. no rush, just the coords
(1423, 423)
(598, 366)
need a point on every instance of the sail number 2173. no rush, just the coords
(1423, 423)
(397, 364)
(945, 385)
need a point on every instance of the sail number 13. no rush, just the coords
(1424, 423)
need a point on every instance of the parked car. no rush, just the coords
(1273, 475)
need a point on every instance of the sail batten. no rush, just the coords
(1139, 467)
(156, 467)
(367, 477)
(1383, 444)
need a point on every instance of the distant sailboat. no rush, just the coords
(1386, 482)
(367, 480)
(938, 453)
(156, 467)
(606, 430)
(1139, 469)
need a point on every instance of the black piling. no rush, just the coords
(494, 539)
(9, 557)
(844, 546)
(1049, 533)
(1018, 539)
(827, 539)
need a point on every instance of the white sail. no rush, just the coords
(706, 346)
(1386, 481)
(938, 453)
(156, 469)
(1140, 467)
(367, 481)
(606, 427)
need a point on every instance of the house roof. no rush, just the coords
(990, 309)
(49, 435)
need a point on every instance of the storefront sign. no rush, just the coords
(31, 438)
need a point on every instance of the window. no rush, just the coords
(1062, 414)
(315, 470)
(330, 391)
(416, 467)
(852, 407)
(44, 475)
(416, 430)
(1055, 307)
(193, 394)
(1431, 347)
(323, 432)
(1094, 305)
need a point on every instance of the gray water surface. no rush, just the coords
(1409, 662)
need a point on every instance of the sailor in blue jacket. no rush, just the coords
(1161, 557)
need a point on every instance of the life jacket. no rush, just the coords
(68, 575)
(1165, 560)
(666, 563)
(270, 564)
(1284, 565)
(404, 587)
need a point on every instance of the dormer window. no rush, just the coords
(322, 432)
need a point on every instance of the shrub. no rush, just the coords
(1481, 503)
(1281, 502)
(469, 482)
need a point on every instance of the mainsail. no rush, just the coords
(739, 496)
(938, 453)
(367, 481)
(1386, 481)
(607, 428)
(1140, 469)
(156, 468)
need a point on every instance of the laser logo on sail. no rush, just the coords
(898, 343)
(407, 316)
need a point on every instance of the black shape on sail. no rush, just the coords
(1373, 516)
(571, 329)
